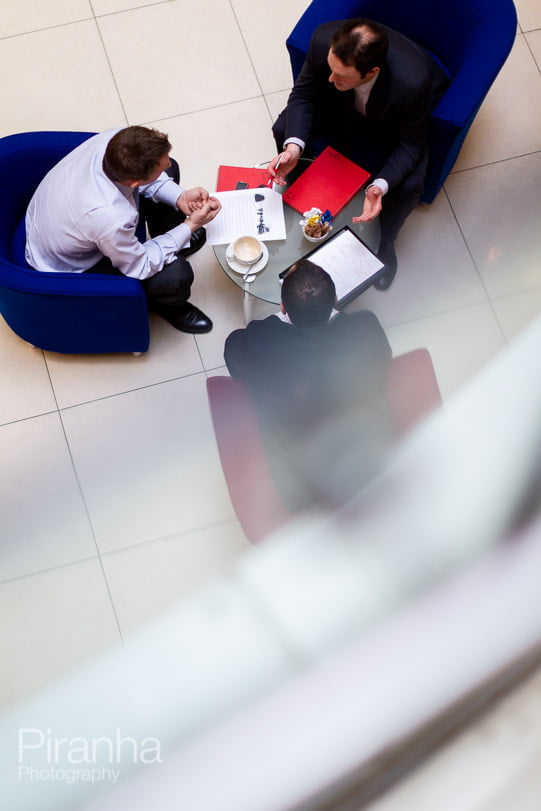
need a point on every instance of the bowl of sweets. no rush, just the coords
(316, 224)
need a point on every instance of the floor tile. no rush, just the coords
(508, 123)
(173, 79)
(257, 18)
(81, 378)
(112, 6)
(44, 523)
(534, 43)
(148, 464)
(276, 102)
(435, 270)
(529, 14)
(16, 354)
(200, 153)
(52, 622)
(515, 312)
(498, 209)
(69, 59)
(135, 457)
(32, 15)
(149, 579)
(220, 297)
(460, 343)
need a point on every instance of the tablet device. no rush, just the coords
(350, 263)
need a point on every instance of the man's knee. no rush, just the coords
(178, 274)
(412, 185)
(172, 283)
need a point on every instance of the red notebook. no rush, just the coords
(229, 178)
(330, 182)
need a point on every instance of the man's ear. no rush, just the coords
(371, 73)
(282, 308)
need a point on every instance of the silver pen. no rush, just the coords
(271, 178)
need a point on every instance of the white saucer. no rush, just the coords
(247, 269)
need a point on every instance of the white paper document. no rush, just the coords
(255, 212)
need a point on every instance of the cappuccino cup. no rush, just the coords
(247, 250)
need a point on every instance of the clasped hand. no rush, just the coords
(198, 205)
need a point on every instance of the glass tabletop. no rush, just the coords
(282, 253)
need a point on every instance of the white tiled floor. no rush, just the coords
(113, 502)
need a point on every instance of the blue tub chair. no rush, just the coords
(60, 312)
(470, 38)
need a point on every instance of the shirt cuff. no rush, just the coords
(295, 141)
(380, 183)
(162, 190)
(182, 235)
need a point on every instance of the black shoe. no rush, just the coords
(199, 237)
(388, 257)
(187, 318)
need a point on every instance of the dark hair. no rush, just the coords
(361, 43)
(134, 152)
(308, 294)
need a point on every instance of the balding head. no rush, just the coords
(361, 44)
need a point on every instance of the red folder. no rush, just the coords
(330, 182)
(230, 176)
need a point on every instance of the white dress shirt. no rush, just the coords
(78, 215)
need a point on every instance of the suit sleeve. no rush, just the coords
(368, 350)
(413, 116)
(118, 241)
(244, 348)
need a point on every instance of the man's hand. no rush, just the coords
(372, 205)
(203, 213)
(192, 199)
(287, 159)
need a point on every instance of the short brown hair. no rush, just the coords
(361, 43)
(134, 152)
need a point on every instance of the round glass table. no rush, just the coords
(266, 284)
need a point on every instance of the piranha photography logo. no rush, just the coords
(43, 756)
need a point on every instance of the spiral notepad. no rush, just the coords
(230, 176)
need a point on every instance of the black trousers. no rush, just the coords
(398, 203)
(168, 289)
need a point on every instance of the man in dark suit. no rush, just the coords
(367, 91)
(320, 387)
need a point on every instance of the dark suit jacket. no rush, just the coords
(321, 394)
(397, 112)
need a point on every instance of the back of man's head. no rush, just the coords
(360, 43)
(308, 294)
(134, 152)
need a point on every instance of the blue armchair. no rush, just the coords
(470, 38)
(60, 312)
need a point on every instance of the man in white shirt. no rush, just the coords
(89, 211)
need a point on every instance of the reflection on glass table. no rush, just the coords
(266, 284)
